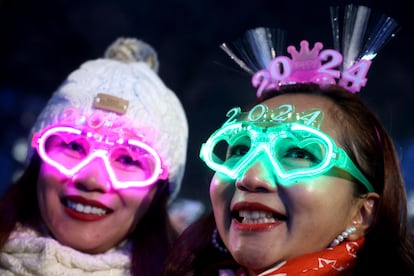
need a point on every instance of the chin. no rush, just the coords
(84, 246)
(89, 250)
(254, 262)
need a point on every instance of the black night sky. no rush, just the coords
(43, 41)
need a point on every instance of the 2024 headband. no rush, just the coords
(347, 65)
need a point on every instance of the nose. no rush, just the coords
(259, 177)
(93, 177)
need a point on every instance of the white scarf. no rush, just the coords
(27, 253)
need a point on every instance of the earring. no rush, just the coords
(341, 237)
(215, 242)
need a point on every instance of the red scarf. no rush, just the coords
(330, 261)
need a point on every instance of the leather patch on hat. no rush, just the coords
(110, 103)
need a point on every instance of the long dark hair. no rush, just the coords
(388, 248)
(151, 240)
(194, 253)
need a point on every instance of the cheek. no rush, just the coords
(329, 196)
(136, 203)
(50, 185)
(221, 194)
(48, 180)
(221, 190)
(50, 177)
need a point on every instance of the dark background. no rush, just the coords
(43, 41)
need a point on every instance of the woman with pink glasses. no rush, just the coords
(108, 154)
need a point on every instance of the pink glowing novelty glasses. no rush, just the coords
(128, 162)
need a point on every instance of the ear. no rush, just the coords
(364, 215)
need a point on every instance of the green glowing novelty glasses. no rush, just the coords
(293, 150)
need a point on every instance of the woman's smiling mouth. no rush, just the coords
(255, 216)
(83, 209)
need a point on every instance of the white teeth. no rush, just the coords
(256, 216)
(87, 209)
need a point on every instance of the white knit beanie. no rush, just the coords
(129, 72)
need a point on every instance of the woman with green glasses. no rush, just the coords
(320, 200)
(307, 180)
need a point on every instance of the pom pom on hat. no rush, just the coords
(128, 72)
(132, 50)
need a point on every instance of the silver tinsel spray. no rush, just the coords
(362, 35)
(363, 32)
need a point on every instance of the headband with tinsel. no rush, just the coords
(347, 65)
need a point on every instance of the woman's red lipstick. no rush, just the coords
(238, 223)
(70, 202)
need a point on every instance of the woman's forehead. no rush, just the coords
(304, 102)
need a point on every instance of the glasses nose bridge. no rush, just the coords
(97, 156)
(261, 154)
(96, 171)
(258, 173)
(263, 151)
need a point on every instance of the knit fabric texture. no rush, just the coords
(128, 71)
(27, 253)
